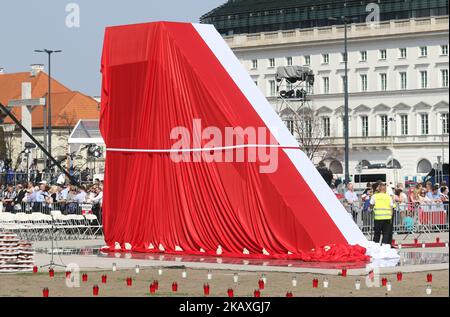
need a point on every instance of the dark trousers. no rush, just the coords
(383, 227)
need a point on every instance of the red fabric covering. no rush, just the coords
(335, 253)
(157, 76)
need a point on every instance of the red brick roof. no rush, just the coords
(67, 106)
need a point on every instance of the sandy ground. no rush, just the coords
(30, 285)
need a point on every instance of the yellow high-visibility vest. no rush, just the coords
(382, 208)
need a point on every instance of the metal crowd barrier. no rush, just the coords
(40, 221)
(407, 218)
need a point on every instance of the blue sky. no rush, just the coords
(26, 25)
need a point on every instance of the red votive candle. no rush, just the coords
(206, 289)
(152, 288)
(429, 277)
(156, 283)
(45, 292)
(95, 290)
(344, 272)
(67, 274)
(438, 240)
(129, 281)
(230, 292)
(416, 241)
(261, 284)
(399, 276)
(315, 283)
(289, 294)
(104, 278)
(51, 272)
(257, 293)
(383, 281)
(35, 269)
(174, 287)
(84, 277)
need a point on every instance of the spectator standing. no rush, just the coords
(382, 205)
(8, 198)
(351, 198)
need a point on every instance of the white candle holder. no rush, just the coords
(137, 269)
(235, 278)
(294, 281)
(184, 274)
(389, 286)
(264, 278)
(428, 290)
(326, 283)
(358, 285)
(160, 271)
(114, 267)
(423, 245)
(209, 275)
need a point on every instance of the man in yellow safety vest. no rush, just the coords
(382, 205)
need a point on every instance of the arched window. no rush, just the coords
(336, 167)
(424, 166)
(393, 164)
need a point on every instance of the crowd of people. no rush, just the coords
(403, 204)
(402, 195)
(43, 197)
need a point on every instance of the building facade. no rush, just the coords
(68, 107)
(398, 87)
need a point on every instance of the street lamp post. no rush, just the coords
(345, 20)
(49, 103)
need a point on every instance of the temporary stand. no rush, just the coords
(294, 85)
(19, 124)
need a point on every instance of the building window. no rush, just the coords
(383, 54)
(444, 49)
(325, 58)
(423, 79)
(326, 85)
(445, 125)
(403, 80)
(307, 60)
(290, 125)
(423, 51)
(424, 124)
(272, 88)
(365, 126)
(308, 128)
(364, 82)
(326, 126)
(271, 62)
(384, 125)
(403, 52)
(383, 81)
(404, 124)
(444, 77)
(254, 64)
(289, 61)
(363, 55)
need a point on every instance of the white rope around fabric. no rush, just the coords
(221, 148)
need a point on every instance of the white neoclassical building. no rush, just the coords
(398, 87)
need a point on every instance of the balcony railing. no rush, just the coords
(355, 30)
(388, 140)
